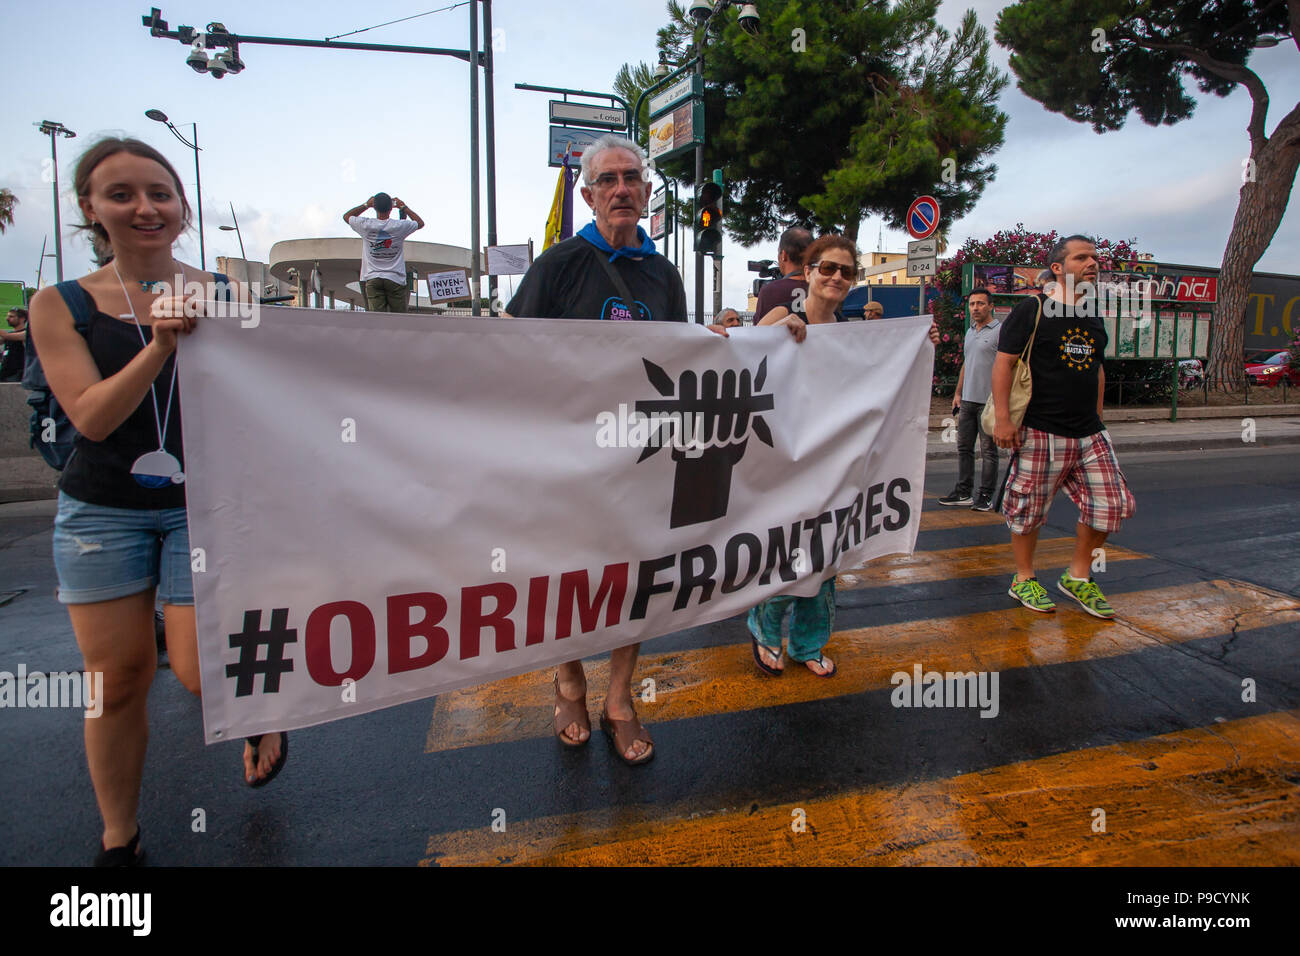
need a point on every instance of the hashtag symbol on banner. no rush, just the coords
(247, 642)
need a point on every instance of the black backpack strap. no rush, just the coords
(223, 281)
(78, 303)
(624, 293)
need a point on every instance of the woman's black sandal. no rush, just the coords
(275, 767)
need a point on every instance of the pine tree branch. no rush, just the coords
(1229, 71)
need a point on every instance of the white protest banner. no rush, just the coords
(448, 285)
(384, 507)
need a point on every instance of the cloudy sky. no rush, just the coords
(302, 135)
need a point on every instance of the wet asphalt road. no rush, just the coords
(1206, 579)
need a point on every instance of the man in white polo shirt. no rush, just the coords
(383, 264)
(974, 383)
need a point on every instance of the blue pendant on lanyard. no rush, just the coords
(157, 469)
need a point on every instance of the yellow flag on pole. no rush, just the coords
(555, 221)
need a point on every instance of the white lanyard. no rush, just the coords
(159, 422)
(154, 469)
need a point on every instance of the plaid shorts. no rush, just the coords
(1085, 467)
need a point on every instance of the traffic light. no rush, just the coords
(708, 218)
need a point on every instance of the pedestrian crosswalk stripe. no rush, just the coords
(941, 518)
(723, 679)
(969, 562)
(1206, 796)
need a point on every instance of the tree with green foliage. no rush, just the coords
(7, 202)
(629, 83)
(839, 109)
(1096, 61)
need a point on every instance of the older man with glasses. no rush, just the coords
(610, 270)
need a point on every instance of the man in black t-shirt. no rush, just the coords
(13, 347)
(570, 281)
(1062, 442)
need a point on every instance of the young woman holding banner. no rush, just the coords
(831, 270)
(107, 344)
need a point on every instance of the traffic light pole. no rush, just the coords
(717, 283)
(699, 178)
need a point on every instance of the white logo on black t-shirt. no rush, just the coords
(1078, 348)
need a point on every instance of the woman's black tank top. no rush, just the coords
(99, 472)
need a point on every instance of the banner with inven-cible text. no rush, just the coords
(384, 507)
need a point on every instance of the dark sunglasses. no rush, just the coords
(828, 269)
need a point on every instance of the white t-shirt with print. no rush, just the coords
(381, 246)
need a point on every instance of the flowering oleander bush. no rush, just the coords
(1144, 380)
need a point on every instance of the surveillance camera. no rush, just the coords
(230, 59)
(701, 10)
(217, 67)
(749, 19)
(198, 58)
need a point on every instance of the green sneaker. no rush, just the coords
(1086, 593)
(1032, 595)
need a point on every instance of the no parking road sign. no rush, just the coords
(923, 217)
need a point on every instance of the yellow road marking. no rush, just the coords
(1218, 795)
(942, 518)
(716, 680)
(969, 562)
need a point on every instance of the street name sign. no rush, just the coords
(687, 86)
(605, 117)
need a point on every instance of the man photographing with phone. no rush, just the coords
(383, 263)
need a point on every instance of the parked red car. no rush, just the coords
(1273, 370)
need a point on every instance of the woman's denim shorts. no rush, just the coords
(103, 553)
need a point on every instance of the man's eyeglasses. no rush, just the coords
(828, 269)
(631, 179)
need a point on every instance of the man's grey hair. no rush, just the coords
(610, 141)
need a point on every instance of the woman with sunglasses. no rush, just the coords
(831, 270)
(107, 344)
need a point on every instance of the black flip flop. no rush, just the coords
(758, 659)
(275, 767)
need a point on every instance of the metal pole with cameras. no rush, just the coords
(54, 131)
(217, 37)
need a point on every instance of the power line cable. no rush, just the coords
(402, 20)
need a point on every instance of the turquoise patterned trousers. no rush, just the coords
(811, 622)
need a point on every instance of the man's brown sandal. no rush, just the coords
(621, 734)
(570, 712)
